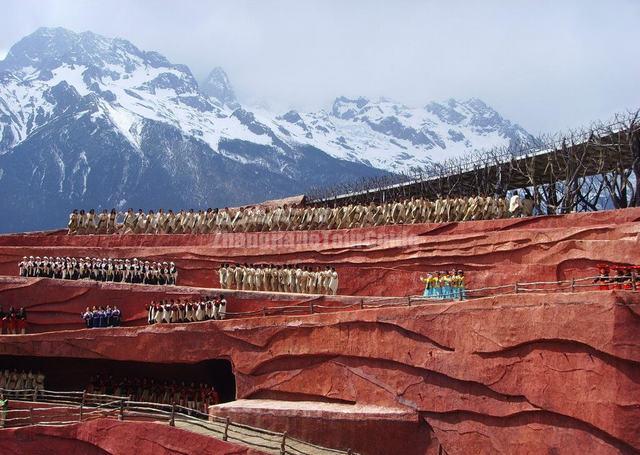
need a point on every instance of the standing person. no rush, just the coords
(231, 276)
(436, 293)
(428, 288)
(10, 321)
(90, 223)
(603, 279)
(139, 222)
(128, 222)
(222, 276)
(223, 307)
(151, 315)
(116, 316)
(21, 321)
(73, 223)
(88, 317)
(462, 290)
(527, 205)
(515, 205)
(173, 273)
(333, 281)
(103, 221)
(216, 308)
(112, 224)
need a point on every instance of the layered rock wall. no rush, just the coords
(378, 261)
(506, 374)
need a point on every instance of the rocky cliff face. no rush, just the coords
(534, 372)
(511, 374)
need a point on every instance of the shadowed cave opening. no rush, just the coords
(75, 374)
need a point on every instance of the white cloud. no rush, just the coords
(548, 65)
(3, 53)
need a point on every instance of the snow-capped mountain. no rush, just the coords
(392, 136)
(90, 121)
(218, 86)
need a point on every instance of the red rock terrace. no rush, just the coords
(553, 371)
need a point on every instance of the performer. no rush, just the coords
(223, 307)
(428, 288)
(103, 221)
(527, 205)
(515, 205)
(151, 317)
(73, 222)
(112, 222)
(129, 222)
(603, 279)
(333, 282)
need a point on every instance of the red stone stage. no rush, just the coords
(560, 371)
(58, 304)
(514, 374)
(382, 261)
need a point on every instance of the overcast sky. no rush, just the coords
(548, 65)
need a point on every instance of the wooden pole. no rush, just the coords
(225, 436)
(283, 444)
(121, 415)
(81, 406)
(172, 419)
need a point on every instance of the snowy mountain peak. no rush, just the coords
(80, 112)
(347, 108)
(217, 86)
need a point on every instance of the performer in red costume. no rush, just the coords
(603, 279)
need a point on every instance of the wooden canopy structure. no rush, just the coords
(588, 170)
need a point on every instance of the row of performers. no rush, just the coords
(291, 218)
(192, 396)
(96, 269)
(14, 321)
(97, 317)
(279, 278)
(616, 277)
(445, 285)
(174, 311)
(21, 380)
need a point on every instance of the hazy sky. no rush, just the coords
(548, 65)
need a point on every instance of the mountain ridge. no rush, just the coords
(97, 122)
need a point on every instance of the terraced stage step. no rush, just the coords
(54, 305)
(342, 423)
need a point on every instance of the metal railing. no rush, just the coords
(75, 407)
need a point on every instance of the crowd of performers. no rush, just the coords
(97, 317)
(190, 310)
(192, 396)
(279, 278)
(445, 285)
(21, 380)
(292, 218)
(97, 269)
(616, 277)
(13, 322)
